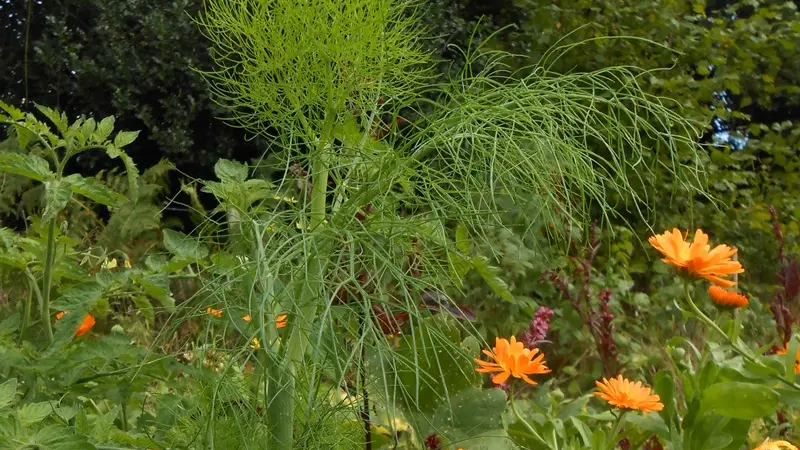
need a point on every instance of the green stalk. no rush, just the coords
(47, 281)
(524, 422)
(282, 405)
(613, 439)
(735, 344)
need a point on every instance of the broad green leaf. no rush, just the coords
(80, 296)
(8, 391)
(739, 400)
(96, 191)
(33, 413)
(104, 129)
(60, 437)
(180, 244)
(124, 138)
(57, 194)
(230, 171)
(87, 128)
(471, 412)
(27, 165)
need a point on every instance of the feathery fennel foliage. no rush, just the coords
(364, 229)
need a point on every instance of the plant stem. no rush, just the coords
(734, 344)
(519, 417)
(47, 280)
(613, 440)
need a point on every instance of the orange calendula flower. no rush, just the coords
(512, 359)
(85, 326)
(280, 321)
(796, 358)
(214, 312)
(775, 445)
(626, 394)
(697, 258)
(724, 297)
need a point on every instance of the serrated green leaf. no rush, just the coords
(182, 245)
(124, 138)
(492, 278)
(57, 194)
(130, 170)
(59, 120)
(230, 171)
(8, 391)
(94, 190)
(739, 400)
(104, 129)
(13, 112)
(33, 413)
(60, 437)
(29, 166)
(87, 128)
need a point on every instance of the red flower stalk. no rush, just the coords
(537, 330)
(789, 278)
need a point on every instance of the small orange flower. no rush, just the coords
(247, 318)
(85, 326)
(775, 445)
(626, 394)
(214, 312)
(697, 258)
(512, 359)
(796, 358)
(724, 297)
(280, 321)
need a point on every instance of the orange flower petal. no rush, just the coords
(625, 394)
(698, 258)
(512, 359)
(85, 326)
(727, 298)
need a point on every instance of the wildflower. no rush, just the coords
(625, 394)
(280, 321)
(254, 343)
(433, 442)
(775, 445)
(540, 325)
(512, 359)
(110, 263)
(724, 297)
(86, 325)
(214, 312)
(126, 264)
(796, 358)
(697, 258)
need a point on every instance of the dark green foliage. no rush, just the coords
(132, 59)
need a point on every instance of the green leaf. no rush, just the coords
(462, 239)
(96, 191)
(471, 412)
(57, 194)
(145, 308)
(33, 413)
(8, 391)
(124, 138)
(130, 169)
(739, 400)
(104, 129)
(13, 112)
(29, 166)
(491, 276)
(59, 120)
(230, 171)
(60, 437)
(180, 244)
